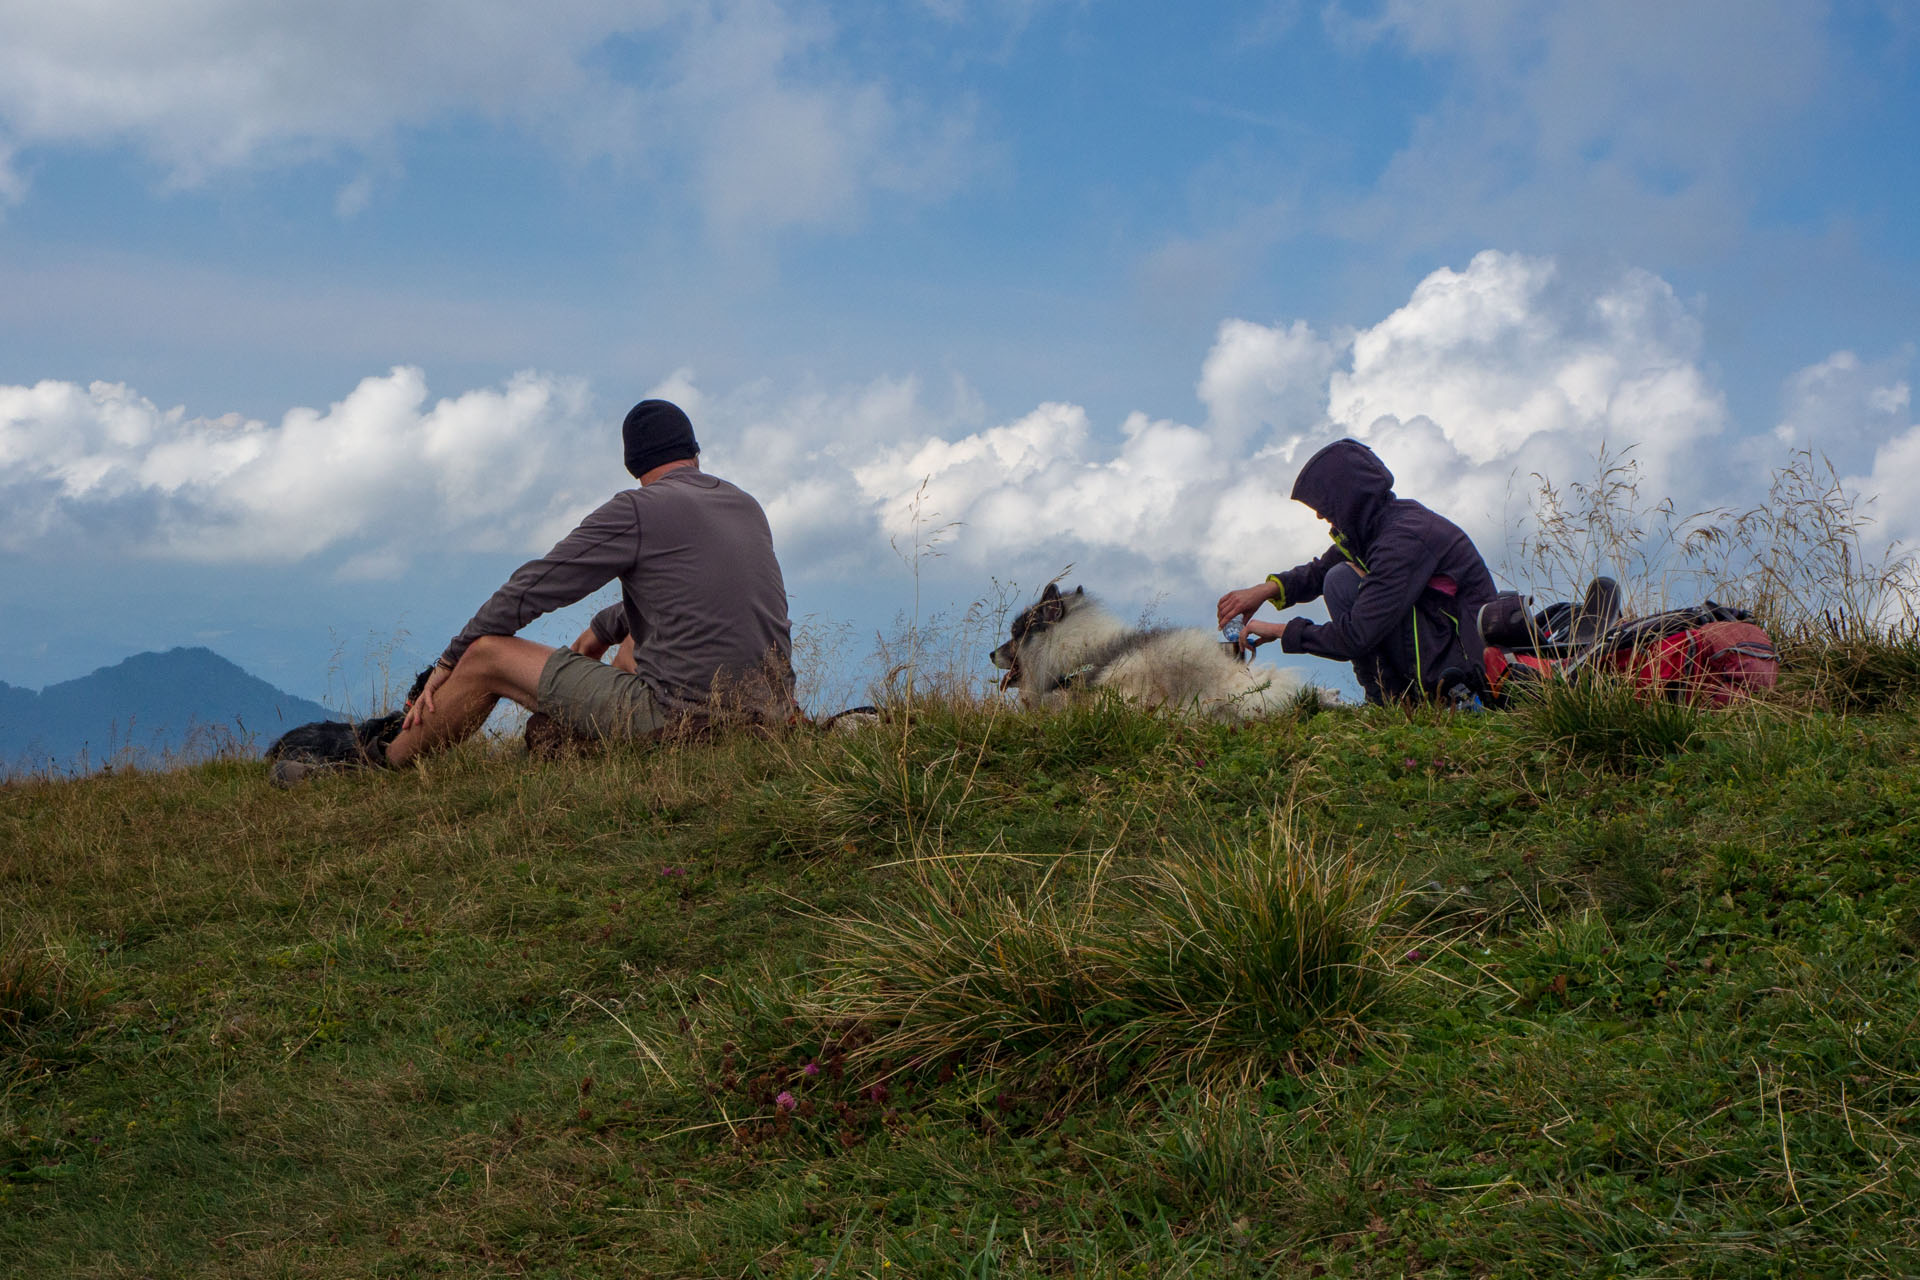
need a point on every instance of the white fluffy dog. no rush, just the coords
(1065, 644)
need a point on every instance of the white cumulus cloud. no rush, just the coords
(1845, 407)
(1510, 370)
(1259, 378)
(1894, 479)
(1488, 374)
(1859, 415)
(103, 465)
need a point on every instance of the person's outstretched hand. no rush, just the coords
(1244, 602)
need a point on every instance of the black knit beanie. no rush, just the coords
(656, 431)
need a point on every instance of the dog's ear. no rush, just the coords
(1052, 592)
(1079, 591)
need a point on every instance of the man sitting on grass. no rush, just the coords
(1403, 585)
(703, 605)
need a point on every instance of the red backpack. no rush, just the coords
(1710, 653)
(1714, 660)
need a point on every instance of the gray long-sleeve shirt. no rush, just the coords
(701, 591)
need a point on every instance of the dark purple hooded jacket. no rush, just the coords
(1420, 571)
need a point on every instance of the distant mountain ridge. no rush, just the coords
(153, 706)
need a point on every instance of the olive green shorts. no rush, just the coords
(597, 700)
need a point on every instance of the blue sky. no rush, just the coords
(315, 320)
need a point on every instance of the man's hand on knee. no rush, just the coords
(423, 705)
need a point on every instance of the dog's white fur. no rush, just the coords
(1184, 669)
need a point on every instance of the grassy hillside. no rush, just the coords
(1581, 989)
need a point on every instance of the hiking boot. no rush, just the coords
(1599, 610)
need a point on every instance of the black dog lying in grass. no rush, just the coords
(326, 744)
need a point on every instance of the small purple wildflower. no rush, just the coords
(673, 871)
(811, 1069)
(785, 1101)
(1416, 954)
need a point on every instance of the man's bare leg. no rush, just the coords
(453, 707)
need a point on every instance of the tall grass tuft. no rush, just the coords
(1211, 954)
(1804, 561)
(1216, 1152)
(875, 791)
(1103, 731)
(1605, 718)
(904, 783)
(1854, 668)
(34, 989)
(1842, 605)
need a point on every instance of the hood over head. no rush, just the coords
(1348, 486)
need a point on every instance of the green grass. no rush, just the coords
(982, 993)
(1605, 718)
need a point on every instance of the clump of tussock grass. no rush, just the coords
(897, 783)
(35, 989)
(1603, 718)
(1215, 952)
(1102, 731)
(1213, 1148)
(951, 767)
(1853, 668)
(876, 793)
(1306, 702)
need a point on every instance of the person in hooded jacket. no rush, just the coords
(1403, 585)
